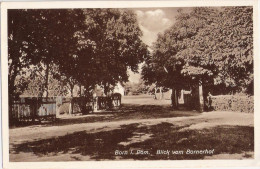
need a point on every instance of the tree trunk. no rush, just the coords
(79, 90)
(201, 100)
(47, 80)
(10, 111)
(161, 93)
(11, 95)
(71, 101)
(106, 88)
(11, 100)
(155, 90)
(177, 98)
(174, 98)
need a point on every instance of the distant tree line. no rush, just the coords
(210, 46)
(58, 49)
(132, 88)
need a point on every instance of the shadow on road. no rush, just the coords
(126, 112)
(163, 136)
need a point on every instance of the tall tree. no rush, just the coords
(223, 50)
(117, 37)
(87, 47)
(212, 46)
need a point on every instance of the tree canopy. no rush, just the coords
(84, 47)
(211, 45)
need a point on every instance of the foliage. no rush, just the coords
(136, 88)
(117, 38)
(212, 45)
(16, 45)
(71, 47)
(243, 104)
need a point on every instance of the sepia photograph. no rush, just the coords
(143, 83)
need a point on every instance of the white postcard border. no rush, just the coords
(126, 164)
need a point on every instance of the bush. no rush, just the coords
(233, 103)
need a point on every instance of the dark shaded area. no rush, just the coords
(126, 112)
(250, 88)
(99, 145)
(102, 145)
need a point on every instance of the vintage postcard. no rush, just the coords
(130, 84)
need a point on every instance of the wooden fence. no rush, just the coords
(32, 108)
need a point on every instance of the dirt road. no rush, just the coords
(132, 124)
(204, 120)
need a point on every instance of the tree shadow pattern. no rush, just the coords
(126, 112)
(165, 136)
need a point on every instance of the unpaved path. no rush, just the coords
(198, 121)
(204, 120)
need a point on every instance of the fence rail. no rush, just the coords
(34, 108)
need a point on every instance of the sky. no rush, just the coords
(153, 21)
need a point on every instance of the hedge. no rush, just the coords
(234, 103)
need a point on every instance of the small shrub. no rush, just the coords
(233, 103)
